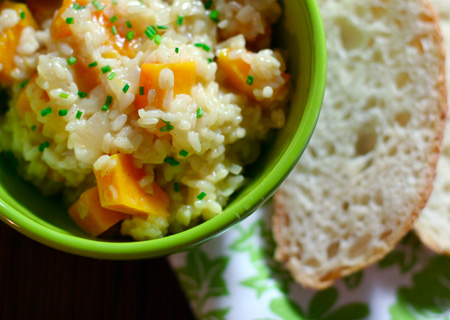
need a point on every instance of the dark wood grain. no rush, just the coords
(37, 282)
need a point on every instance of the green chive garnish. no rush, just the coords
(210, 60)
(105, 108)
(22, 15)
(177, 50)
(158, 39)
(44, 145)
(150, 32)
(208, 4)
(46, 111)
(106, 69)
(71, 61)
(82, 94)
(114, 30)
(64, 95)
(79, 114)
(162, 27)
(24, 84)
(107, 103)
(184, 153)
(113, 19)
(130, 35)
(167, 128)
(141, 91)
(199, 113)
(98, 5)
(128, 23)
(70, 20)
(201, 196)
(76, 6)
(62, 112)
(214, 15)
(180, 20)
(171, 161)
(33, 128)
(250, 80)
(176, 187)
(204, 46)
(125, 88)
(93, 64)
(111, 76)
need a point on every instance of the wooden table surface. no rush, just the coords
(38, 282)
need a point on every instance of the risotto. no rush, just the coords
(142, 114)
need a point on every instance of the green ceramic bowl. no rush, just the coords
(300, 33)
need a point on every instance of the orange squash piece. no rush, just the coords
(90, 216)
(119, 190)
(184, 79)
(9, 40)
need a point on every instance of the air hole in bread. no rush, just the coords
(367, 139)
(368, 164)
(333, 249)
(345, 205)
(362, 199)
(385, 234)
(386, 138)
(331, 149)
(426, 17)
(417, 42)
(447, 187)
(371, 103)
(402, 80)
(360, 246)
(312, 152)
(392, 151)
(351, 36)
(377, 56)
(403, 117)
(378, 198)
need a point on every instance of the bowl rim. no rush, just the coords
(182, 241)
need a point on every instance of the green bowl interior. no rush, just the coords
(300, 34)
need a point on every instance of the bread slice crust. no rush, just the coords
(356, 192)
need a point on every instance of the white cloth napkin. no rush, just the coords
(235, 277)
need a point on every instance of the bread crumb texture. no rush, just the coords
(369, 167)
(433, 225)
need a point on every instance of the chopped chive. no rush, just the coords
(107, 103)
(208, 4)
(22, 15)
(125, 88)
(82, 94)
(250, 80)
(46, 111)
(183, 153)
(44, 145)
(111, 76)
(98, 5)
(158, 39)
(199, 113)
(113, 19)
(33, 128)
(176, 187)
(70, 20)
(93, 64)
(81, 8)
(106, 69)
(167, 128)
(114, 30)
(62, 112)
(201, 196)
(128, 23)
(177, 50)
(64, 95)
(204, 46)
(71, 61)
(23, 84)
(210, 60)
(162, 27)
(150, 32)
(79, 114)
(214, 15)
(130, 35)
(141, 91)
(171, 161)
(180, 20)
(105, 108)
(76, 6)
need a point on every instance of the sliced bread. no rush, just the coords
(433, 224)
(369, 168)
